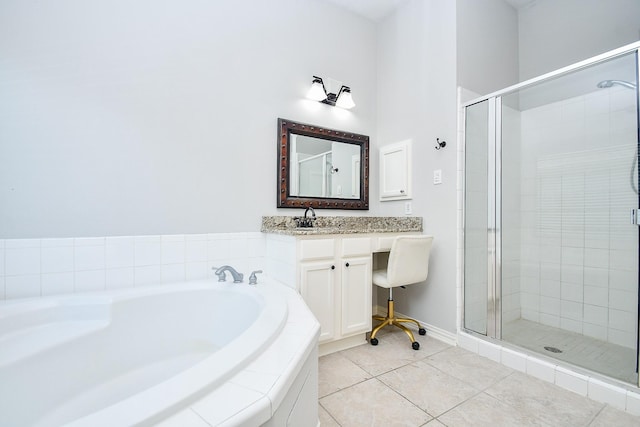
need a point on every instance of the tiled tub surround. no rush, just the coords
(41, 267)
(341, 225)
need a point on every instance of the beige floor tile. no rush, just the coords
(393, 351)
(434, 423)
(326, 420)
(336, 372)
(428, 388)
(483, 411)
(477, 371)
(613, 417)
(372, 404)
(546, 401)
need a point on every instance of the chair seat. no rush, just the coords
(379, 278)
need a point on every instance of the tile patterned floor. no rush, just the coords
(439, 385)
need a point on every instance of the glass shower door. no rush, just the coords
(476, 241)
(569, 187)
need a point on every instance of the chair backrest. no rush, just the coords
(409, 260)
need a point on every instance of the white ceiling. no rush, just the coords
(376, 10)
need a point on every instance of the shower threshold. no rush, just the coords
(608, 359)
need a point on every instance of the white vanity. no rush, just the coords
(330, 265)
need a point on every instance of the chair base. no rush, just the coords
(391, 319)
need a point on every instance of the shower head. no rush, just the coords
(608, 83)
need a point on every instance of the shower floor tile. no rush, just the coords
(609, 359)
(424, 389)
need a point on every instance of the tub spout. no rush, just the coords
(237, 277)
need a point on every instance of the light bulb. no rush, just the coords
(344, 99)
(316, 92)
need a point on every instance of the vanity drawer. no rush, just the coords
(356, 246)
(383, 244)
(317, 249)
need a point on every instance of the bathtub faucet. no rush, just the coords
(237, 277)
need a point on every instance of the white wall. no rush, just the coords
(417, 100)
(130, 118)
(487, 32)
(556, 33)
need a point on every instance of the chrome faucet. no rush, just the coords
(237, 277)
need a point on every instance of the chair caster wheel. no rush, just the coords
(415, 345)
(422, 331)
(374, 341)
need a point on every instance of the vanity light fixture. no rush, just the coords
(318, 92)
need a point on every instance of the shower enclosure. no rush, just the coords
(550, 215)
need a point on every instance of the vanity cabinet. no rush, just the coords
(332, 272)
(334, 275)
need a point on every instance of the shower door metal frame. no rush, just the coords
(494, 182)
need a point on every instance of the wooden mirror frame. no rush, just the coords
(285, 200)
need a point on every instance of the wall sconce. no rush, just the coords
(342, 99)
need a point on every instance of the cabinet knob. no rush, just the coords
(402, 191)
(333, 267)
(347, 264)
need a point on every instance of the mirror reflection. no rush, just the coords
(322, 168)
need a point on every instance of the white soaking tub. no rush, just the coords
(142, 356)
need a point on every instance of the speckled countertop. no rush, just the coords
(341, 225)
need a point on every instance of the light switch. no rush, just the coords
(437, 176)
(407, 208)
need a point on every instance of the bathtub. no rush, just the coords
(156, 355)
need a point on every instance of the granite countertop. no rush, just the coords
(341, 225)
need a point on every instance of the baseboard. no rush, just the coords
(432, 331)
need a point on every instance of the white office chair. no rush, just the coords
(408, 264)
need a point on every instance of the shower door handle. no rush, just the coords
(634, 217)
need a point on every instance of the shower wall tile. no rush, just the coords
(571, 292)
(596, 315)
(595, 331)
(623, 280)
(550, 320)
(571, 325)
(576, 195)
(623, 300)
(596, 295)
(596, 276)
(596, 258)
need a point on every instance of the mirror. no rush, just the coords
(322, 168)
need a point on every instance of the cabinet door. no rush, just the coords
(317, 287)
(395, 171)
(356, 295)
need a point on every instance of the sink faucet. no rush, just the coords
(304, 221)
(313, 212)
(237, 277)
